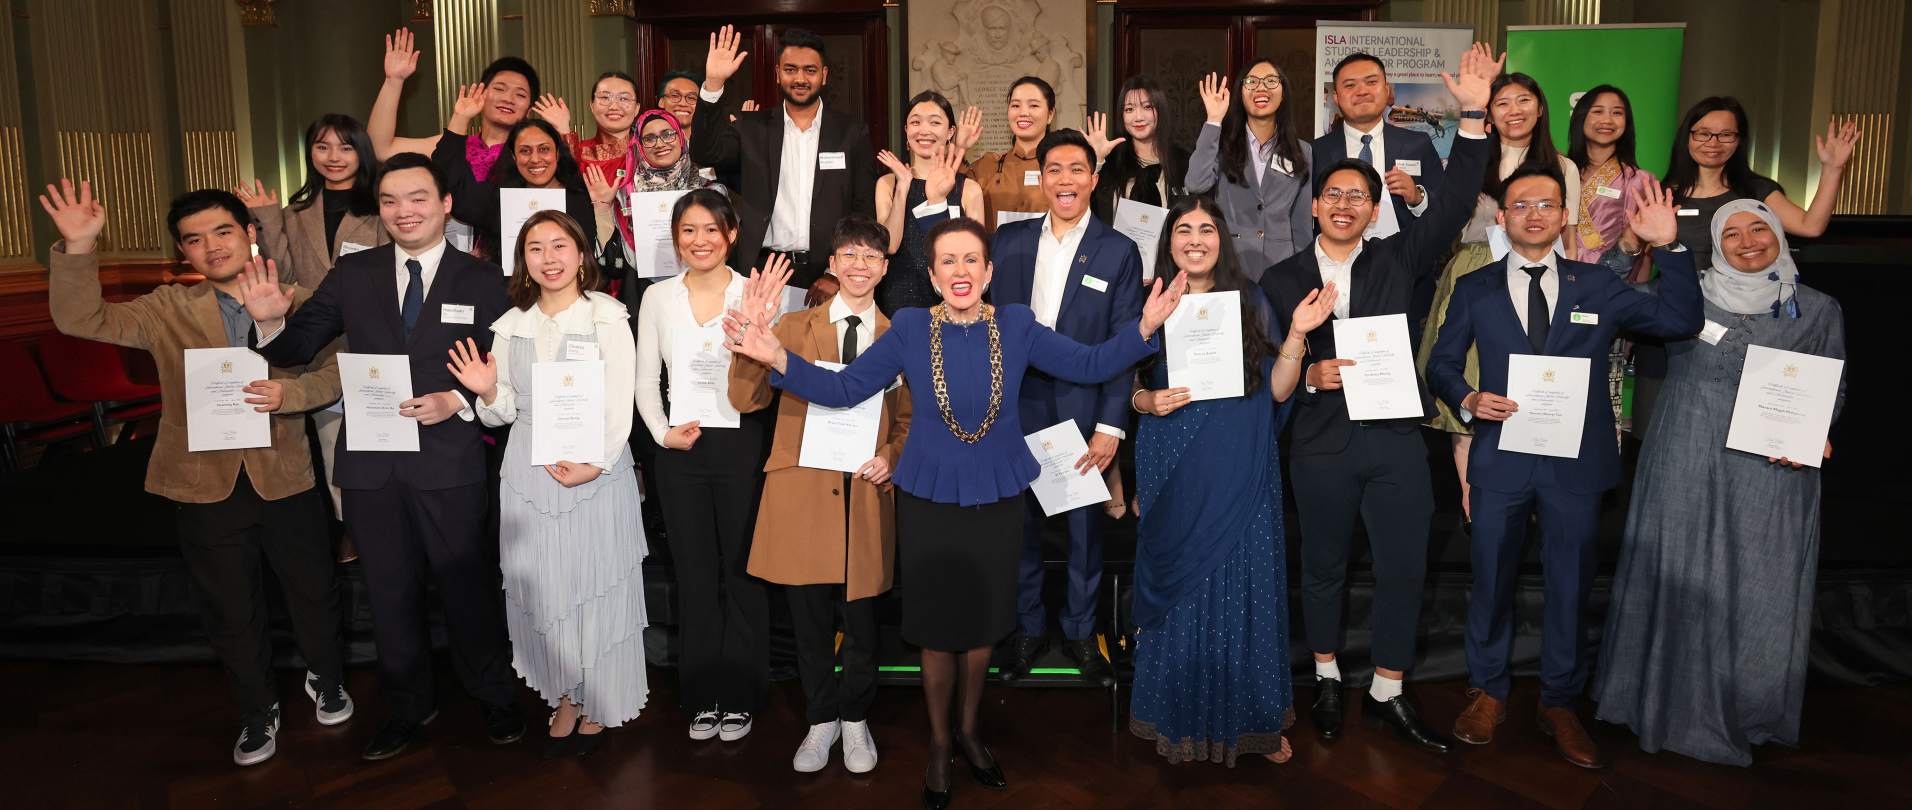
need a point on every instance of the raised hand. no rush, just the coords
(969, 129)
(259, 290)
(555, 112)
(401, 58)
(471, 102)
(1214, 90)
(763, 290)
(475, 370)
(1655, 219)
(256, 196)
(940, 176)
(1835, 150)
(1097, 132)
(600, 188)
(895, 165)
(724, 58)
(1477, 71)
(1314, 310)
(753, 339)
(1162, 303)
(79, 219)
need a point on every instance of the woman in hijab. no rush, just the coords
(1705, 645)
(659, 162)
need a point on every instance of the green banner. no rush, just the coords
(1642, 60)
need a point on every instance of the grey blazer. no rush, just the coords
(1270, 218)
(295, 240)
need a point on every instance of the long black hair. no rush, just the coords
(1122, 165)
(506, 175)
(1540, 146)
(1228, 275)
(1683, 172)
(362, 201)
(1233, 153)
(1577, 129)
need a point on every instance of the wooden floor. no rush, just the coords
(116, 736)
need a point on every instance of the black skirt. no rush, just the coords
(960, 571)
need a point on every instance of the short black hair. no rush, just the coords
(1548, 170)
(413, 160)
(801, 38)
(673, 75)
(860, 229)
(205, 199)
(1368, 174)
(1352, 58)
(1062, 137)
(511, 64)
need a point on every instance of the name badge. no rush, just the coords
(1687, 212)
(1712, 333)
(1032, 178)
(457, 313)
(1584, 317)
(1411, 167)
(581, 351)
(955, 211)
(831, 160)
(349, 248)
(1608, 192)
(1094, 283)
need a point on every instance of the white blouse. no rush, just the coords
(594, 312)
(667, 308)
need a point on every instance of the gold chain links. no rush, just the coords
(938, 317)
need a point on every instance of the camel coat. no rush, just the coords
(800, 536)
(294, 239)
(168, 321)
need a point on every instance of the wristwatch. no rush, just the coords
(1473, 113)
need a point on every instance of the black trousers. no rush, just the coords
(224, 544)
(401, 533)
(815, 612)
(709, 496)
(1381, 476)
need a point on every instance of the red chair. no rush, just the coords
(84, 370)
(28, 412)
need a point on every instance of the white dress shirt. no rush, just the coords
(1517, 281)
(593, 312)
(666, 308)
(1053, 256)
(796, 178)
(1340, 274)
(865, 329)
(1352, 138)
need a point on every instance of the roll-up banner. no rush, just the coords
(1415, 56)
(1642, 60)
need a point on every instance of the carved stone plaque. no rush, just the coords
(971, 51)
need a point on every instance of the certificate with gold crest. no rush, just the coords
(1142, 224)
(515, 205)
(841, 439)
(567, 412)
(1551, 393)
(651, 241)
(1203, 341)
(1381, 383)
(374, 385)
(217, 415)
(1784, 405)
(700, 378)
(1061, 487)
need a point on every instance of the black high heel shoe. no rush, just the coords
(586, 742)
(936, 799)
(990, 777)
(554, 746)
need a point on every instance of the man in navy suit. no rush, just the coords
(419, 511)
(1406, 159)
(1537, 303)
(1083, 279)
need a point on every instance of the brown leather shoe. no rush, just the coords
(1570, 738)
(1476, 723)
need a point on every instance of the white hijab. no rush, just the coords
(1766, 292)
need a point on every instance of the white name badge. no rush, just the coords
(457, 313)
(1032, 177)
(1712, 333)
(831, 160)
(1688, 212)
(1094, 283)
(349, 248)
(1584, 317)
(1608, 192)
(581, 351)
(1411, 167)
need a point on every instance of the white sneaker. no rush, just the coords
(814, 753)
(859, 750)
(333, 704)
(704, 725)
(258, 737)
(734, 726)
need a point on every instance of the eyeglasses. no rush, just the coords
(658, 139)
(679, 96)
(1544, 207)
(1253, 82)
(851, 258)
(1355, 199)
(617, 99)
(1702, 136)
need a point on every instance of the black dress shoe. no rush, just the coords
(395, 737)
(990, 777)
(1406, 721)
(1022, 657)
(935, 799)
(1089, 661)
(1326, 712)
(555, 744)
(586, 742)
(503, 723)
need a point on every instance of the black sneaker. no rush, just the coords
(258, 733)
(328, 694)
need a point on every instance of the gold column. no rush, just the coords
(1563, 12)
(204, 44)
(464, 41)
(557, 41)
(1484, 15)
(16, 229)
(1865, 87)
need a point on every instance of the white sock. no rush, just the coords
(1328, 669)
(1384, 688)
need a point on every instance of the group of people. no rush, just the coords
(906, 304)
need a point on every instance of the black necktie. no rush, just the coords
(1537, 317)
(414, 296)
(849, 338)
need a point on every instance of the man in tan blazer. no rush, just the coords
(829, 537)
(235, 506)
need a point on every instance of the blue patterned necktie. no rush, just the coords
(1367, 152)
(414, 296)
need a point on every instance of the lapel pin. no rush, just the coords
(1570, 278)
(1082, 260)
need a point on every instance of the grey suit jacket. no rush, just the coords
(1270, 218)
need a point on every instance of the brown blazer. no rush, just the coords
(166, 322)
(294, 239)
(800, 524)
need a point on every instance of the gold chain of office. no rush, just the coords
(938, 316)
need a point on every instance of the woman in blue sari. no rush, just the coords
(1211, 579)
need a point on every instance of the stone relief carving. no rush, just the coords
(972, 50)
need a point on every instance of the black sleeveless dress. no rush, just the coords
(907, 282)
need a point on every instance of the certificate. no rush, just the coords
(1381, 383)
(1143, 224)
(1203, 340)
(567, 407)
(515, 205)
(1784, 406)
(1061, 487)
(840, 439)
(700, 378)
(217, 415)
(1006, 217)
(652, 243)
(460, 235)
(374, 385)
(1551, 393)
